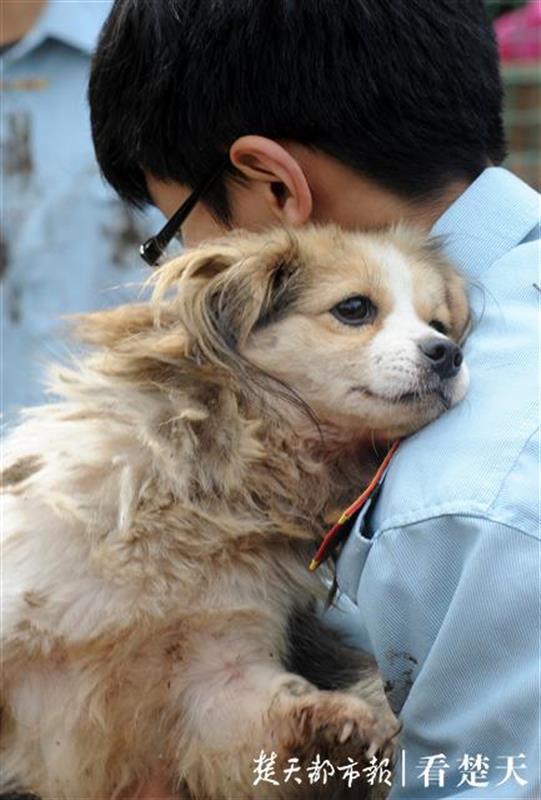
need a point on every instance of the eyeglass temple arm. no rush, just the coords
(154, 248)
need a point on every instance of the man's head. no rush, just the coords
(355, 111)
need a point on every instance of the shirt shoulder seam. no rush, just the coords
(466, 507)
(503, 481)
(523, 243)
(466, 514)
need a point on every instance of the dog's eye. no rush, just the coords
(439, 326)
(356, 310)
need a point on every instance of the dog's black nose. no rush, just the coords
(445, 356)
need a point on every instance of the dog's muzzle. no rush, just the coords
(444, 357)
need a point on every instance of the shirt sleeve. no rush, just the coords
(451, 611)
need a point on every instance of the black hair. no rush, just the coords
(406, 92)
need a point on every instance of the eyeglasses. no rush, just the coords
(153, 249)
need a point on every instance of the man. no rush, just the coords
(365, 112)
(66, 241)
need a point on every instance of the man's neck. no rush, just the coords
(17, 17)
(356, 203)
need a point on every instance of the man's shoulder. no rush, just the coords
(481, 457)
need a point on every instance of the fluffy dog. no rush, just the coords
(159, 519)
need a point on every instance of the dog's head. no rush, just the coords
(364, 328)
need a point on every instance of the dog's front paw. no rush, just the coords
(311, 725)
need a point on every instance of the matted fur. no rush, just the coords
(158, 519)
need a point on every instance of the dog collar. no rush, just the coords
(335, 535)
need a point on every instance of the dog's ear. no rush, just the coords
(459, 308)
(228, 289)
(199, 265)
(254, 292)
(456, 297)
(111, 326)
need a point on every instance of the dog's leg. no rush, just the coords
(320, 654)
(240, 705)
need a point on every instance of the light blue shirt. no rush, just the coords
(442, 583)
(67, 241)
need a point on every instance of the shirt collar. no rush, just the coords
(76, 24)
(491, 217)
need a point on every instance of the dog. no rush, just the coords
(159, 519)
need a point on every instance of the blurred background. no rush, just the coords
(518, 29)
(67, 244)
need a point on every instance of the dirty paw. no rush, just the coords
(331, 725)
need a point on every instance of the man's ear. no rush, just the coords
(286, 189)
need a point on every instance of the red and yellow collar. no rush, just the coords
(332, 537)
